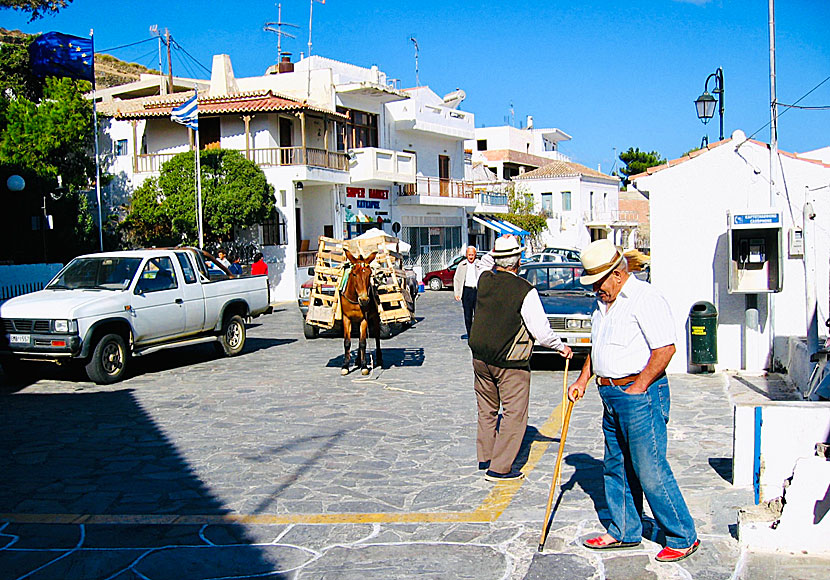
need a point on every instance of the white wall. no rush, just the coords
(689, 246)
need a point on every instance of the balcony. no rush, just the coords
(373, 164)
(613, 216)
(489, 202)
(437, 191)
(411, 116)
(264, 157)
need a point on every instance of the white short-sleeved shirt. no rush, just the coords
(624, 334)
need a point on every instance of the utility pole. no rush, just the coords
(169, 61)
(310, 13)
(154, 30)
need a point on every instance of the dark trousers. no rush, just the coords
(468, 301)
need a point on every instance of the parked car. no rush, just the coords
(102, 309)
(567, 303)
(438, 279)
(311, 331)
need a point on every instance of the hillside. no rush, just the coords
(109, 70)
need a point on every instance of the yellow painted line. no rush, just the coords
(489, 510)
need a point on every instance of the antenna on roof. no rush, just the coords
(415, 42)
(269, 27)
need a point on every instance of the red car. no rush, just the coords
(438, 279)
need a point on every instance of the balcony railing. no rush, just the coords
(435, 186)
(492, 198)
(610, 216)
(265, 156)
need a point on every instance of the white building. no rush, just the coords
(509, 151)
(344, 150)
(690, 247)
(581, 204)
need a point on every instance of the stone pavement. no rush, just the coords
(272, 465)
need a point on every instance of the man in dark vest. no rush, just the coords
(509, 316)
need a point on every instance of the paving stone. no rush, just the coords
(563, 566)
(628, 568)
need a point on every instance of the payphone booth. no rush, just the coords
(755, 252)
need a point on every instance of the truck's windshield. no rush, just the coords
(109, 273)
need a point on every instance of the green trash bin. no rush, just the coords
(703, 334)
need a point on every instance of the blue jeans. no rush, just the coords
(635, 464)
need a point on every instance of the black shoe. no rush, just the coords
(514, 475)
(484, 465)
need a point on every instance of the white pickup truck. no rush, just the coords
(104, 308)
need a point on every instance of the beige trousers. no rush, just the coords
(509, 388)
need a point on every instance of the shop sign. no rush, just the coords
(355, 192)
(366, 204)
(379, 193)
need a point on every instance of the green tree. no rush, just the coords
(519, 199)
(234, 192)
(637, 161)
(37, 8)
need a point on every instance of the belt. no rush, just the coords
(624, 381)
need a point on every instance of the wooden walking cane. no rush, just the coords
(558, 469)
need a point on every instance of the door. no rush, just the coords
(286, 142)
(157, 304)
(194, 303)
(209, 134)
(444, 174)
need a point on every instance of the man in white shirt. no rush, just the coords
(509, 316)
(632, 335)
(465, 283)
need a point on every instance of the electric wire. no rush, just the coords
(787, 108)
(124, 45)
(190, 56)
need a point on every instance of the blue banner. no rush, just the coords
(62, 55)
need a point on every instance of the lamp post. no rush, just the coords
(705, 103)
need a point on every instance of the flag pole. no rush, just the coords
(199, 214)
(97, 153)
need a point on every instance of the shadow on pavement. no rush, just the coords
(392, 357)
(101, 453)
(722, 466)
(531, 434)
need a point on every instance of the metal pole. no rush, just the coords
(720, 99)
(809, 239)
(774, 164)
(97, 153)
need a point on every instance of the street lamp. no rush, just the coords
(705, 103)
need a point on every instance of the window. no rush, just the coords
(120, 147)
(481, 145)
(361, 130)
(274, 231)
(547, 203)
(187, 268)
(157, 275)
(566, 201)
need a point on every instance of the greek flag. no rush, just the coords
(187, 113)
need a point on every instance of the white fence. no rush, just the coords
(25, 278)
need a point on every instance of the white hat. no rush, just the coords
(506, 246)
(598, 259)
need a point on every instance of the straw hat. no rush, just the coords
(505, 247)
(598, 259)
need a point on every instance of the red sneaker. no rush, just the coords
(671, 555)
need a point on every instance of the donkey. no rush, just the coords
(357, 304)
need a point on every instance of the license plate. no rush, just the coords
(18, 339)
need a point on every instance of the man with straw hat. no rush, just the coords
(632, 335)
(509, 316)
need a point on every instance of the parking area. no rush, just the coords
(273, 465)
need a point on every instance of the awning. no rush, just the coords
(501, 226)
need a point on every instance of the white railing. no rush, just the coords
(436, 186)
(610, 216)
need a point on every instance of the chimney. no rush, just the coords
(285, 65)
(530, 121)
(222, 81)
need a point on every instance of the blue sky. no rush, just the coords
(611, 74)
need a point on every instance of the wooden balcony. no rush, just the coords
(438, 187)
(265, 157)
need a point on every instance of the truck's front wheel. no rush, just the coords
(310, 331)
(108, 361)
(232, 339)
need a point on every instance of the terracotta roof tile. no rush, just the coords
(564, 169)
(251, 102)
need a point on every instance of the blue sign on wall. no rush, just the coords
(368, 204)
(756, 218)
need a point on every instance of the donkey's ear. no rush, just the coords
(371, 257)
(351, 258)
